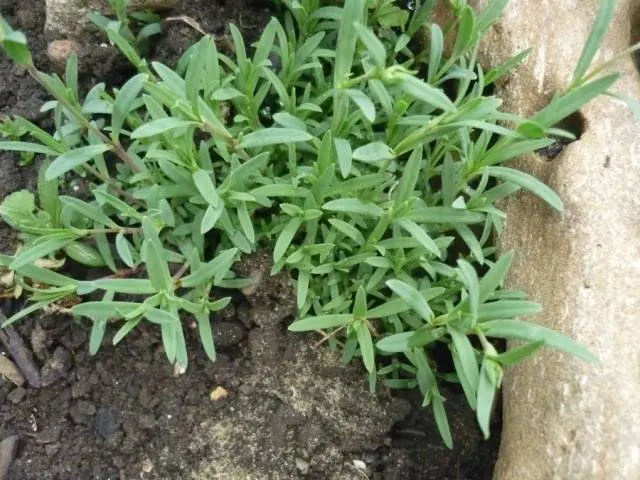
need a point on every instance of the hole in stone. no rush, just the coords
(635, 31)
(574, 124)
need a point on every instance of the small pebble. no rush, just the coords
(218, 393)
(9, 370)
(147, 465)
(59, 52)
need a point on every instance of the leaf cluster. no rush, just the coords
(333, 144)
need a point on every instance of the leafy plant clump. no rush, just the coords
(333, 145)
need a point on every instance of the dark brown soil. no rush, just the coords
(290, 411)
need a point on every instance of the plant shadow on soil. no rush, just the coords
(291, 411)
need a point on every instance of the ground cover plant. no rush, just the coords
(334, 145)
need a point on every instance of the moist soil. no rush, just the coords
(270, 407)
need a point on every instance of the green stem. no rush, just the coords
(117, 148)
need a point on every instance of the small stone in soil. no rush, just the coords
(106, 422)
(17, 395)
(8, 369)
(39, 342)
(55, 367)
(218, 393)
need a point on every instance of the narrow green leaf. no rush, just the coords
(210, 218)
(517, 355)
(215, 269)
(494, 277)
(374, 152)
(372, 43)
(97, 334)
(498, 72)
(420, 235)
(426, 93)
(435, 51)
(472, 242)
(84, 254)
(353, 205)
(412, 297)
(366, 347)
(507, 309)
(364, 103)
(42, 247)
(302, 288)
(159, 126)
(205, 186)
(104, 310)
(72, 159)
(285, 238)
(48, 196)
(486, 397)
(345, 155)
(124, 101)
(320, 322)
(528, 182)
(396, 343)
(206, 336)
(89, 211)
(409, 178)
(123, 247)
(287, 120)
(27, 147)
(118, 204)
(521, 330)
(274, 136)
(360, 304)
(132, 286)
(125, 329)
(470, 392)
(245, 222)
(561, 107)
(161, 317)
(169, 341)
(467, 356)
(349, 230)
(441, 420)
(470, 280)
(444, 215)
(352, 12)
(598, 31)
(34, 307)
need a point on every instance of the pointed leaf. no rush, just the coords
(159, 126)
(366, 347)
(274, 136)
(412, 297)
(72, 159)
(321, 322)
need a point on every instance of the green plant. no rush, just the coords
(126, 22)
(333, 145)
(15, 129)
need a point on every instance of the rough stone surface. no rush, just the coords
(69, 18)
(563, 418)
